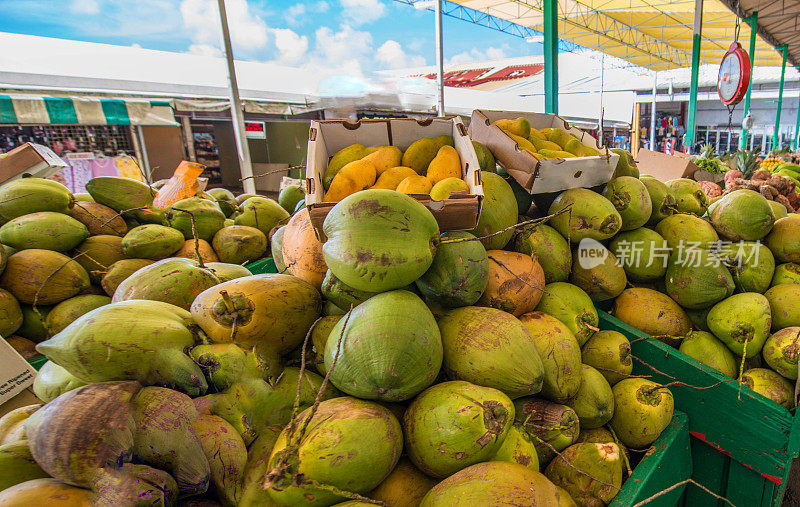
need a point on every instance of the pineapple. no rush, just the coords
(747, 162)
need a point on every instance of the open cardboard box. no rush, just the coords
(16, 375)
(30, 158)
(459, 212)
(540, 176)
(665, 167)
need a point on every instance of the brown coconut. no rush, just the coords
(97, 253)
(43, 277)
(302, 251)
(188, 251)
(516, 282)
(121, 270)
(99, 219)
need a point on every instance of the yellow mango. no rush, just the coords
(523, 143)
(385, 157)
(442, 141)
(544, 145)
(556, 154)
(545, 131)
(392, 177)
(355, 176)
(446, 164)
(415, 184)
(419, 155)
(340, 159)
(447, 186)
(579, 149)
(559, 136)
(519, 127)
(538, 133)
(369, 150)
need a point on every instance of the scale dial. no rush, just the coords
(734, 75)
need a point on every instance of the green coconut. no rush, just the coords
(783, 300)
(329, 309)
(642, 410)
(290, 196)
(341, 294)
(778, 209)
(560, 353)
(781, 351)
(482, 415)
(626, 165)
(498, 212)
(226, 272)
(459, 272)
(591, 215)
(490, 348)
(743, 215)
(664, 203)
(632, 200)
(208, 218)
(550, 249)
(493, 484)
(262, 213)
(275, 245)
(225, 363)
(551, 427)
(595, 435)
(784, 239)
(34, 325)
(43, 277)
(572, 306)
(10, 314)
(601, 280)
(406, 486)
(642, 253)
(152, 241)
(518, 448)
(709, 350)
(696, 278)
(18, 466)
(610, 353)
(119, 193)
(591, 473)
(652, 312)
(225, 200)
(98, 253)
(683, 231)
(52, 381)
(594, 402)
(119, 271)
(768, 383)
(176, 280)
(742, 322)
(239, 244)
(65, 312)
(689, 196)
(523, 197)
(379, 240)
(751, 264)
(788, 272)
(399, 325)
(31, 195)
(46, 230)
(362, 438)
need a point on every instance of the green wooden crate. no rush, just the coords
(262, 266)
(37, 362)
(669, 464)
(741, 448)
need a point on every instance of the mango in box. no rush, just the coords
(555, 154)
(537, 133)
(579, 149)
(485, 157)
(544, 145)
(447, 186)
(519, 127)
(385, 157)
(421, 152)
(447, 164)
(392, 177)
(355, 176)
(560, 136)
(340, 159)
(523, 143)
(415, 185)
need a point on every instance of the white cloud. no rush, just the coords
(85, 7)
(294, 14)
(359, 12)
(205, 50)
(392, 56)
(344, 45)
(477, 55)
(322, 6)
(136, 45)
(201, 18)
(291, 46)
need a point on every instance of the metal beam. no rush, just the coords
(692, 113)
(551, 56)
(776, 136)
(753, 20)
(797, 126)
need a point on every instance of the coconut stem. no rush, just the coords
(625, 459)
(226, 298)
(678, 485)
(194, 236)
(340, 492)
(274, 171)
(568, 208)
(741, 368)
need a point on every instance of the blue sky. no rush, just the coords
(356, 36)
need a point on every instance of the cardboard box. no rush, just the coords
(459, 212)
(665, 167)
(540, 176)
(30, 158)
(16, 375)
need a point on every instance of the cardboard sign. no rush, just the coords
(30, 158)
(665, 167)
(15, 375)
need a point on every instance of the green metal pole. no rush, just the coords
(690, 121)
(551, 56)
(797, 126)
(775, 137)
(753, 21)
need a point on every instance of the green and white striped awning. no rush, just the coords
(37, 109)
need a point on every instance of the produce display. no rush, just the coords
(545, 143)
(396, 364)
